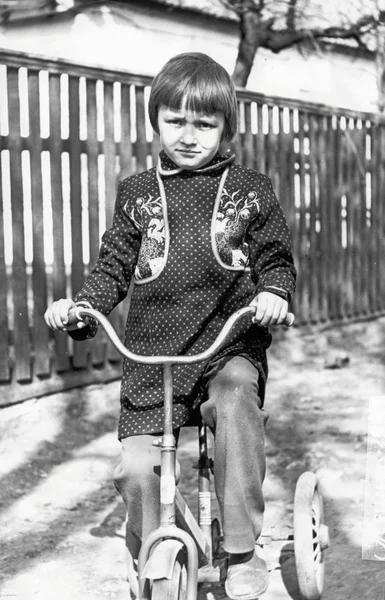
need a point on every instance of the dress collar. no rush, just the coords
(167, 167)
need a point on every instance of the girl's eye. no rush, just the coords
(204, 125)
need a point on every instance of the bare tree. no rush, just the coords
(280, 24)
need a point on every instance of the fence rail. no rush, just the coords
(69, 132)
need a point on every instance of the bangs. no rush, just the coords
(198, 83)
(199, 96)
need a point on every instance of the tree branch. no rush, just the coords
(279, 40)
(244, 6)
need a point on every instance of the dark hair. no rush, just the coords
(203, 83)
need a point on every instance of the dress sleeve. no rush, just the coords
(271, 260)
(109, 280)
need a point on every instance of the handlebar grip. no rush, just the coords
(74, 317)
(289, 320)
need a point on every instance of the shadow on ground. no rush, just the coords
(61, 521)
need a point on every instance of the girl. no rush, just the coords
(202, 237)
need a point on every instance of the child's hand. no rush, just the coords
(271, 309)
(56, 316)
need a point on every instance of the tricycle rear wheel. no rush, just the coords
(309, 532)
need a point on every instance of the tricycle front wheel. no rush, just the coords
(174, 588)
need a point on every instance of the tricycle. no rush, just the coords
(184, 551)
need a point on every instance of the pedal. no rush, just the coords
(207, 463)
(210, 574)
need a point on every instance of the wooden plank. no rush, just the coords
(4, 333)
(92, 150)
(22, 342)
(372, 168)
(373, 235)
(348, 259)
(141, 142)
(337, 158)
(357, 206)
(59, 287)
(290, 166)
(379, 219)
(285, 172)
(109, 152)
(39, 276)
(304, 249)
(248, 153)
(81, 351)
(293, 214)
(325, 259)
(355, 273)
(98, 344)
(331, 221)
(283, 166)
(273, 149)
(335, 219)
(125, 142)
(110, 183)
(270, 149)
(126, 162)
(363, 266)
(312, 177)
(340, 161)
(237, 145)
(260, 142)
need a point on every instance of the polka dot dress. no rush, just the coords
(201, 245)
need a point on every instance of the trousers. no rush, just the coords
(232, 410)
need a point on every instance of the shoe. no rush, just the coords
(247, 580)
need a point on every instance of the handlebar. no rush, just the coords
(78, 314)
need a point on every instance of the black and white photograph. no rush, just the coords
(192, 299)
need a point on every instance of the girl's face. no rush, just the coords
(190, 139)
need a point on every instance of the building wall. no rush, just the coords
(141, 40)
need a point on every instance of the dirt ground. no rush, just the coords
(61, 521)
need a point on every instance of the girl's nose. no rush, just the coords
(188, 136)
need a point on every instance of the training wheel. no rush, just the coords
(311, 537)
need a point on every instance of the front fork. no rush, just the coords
(191, 539)
(168, 528)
